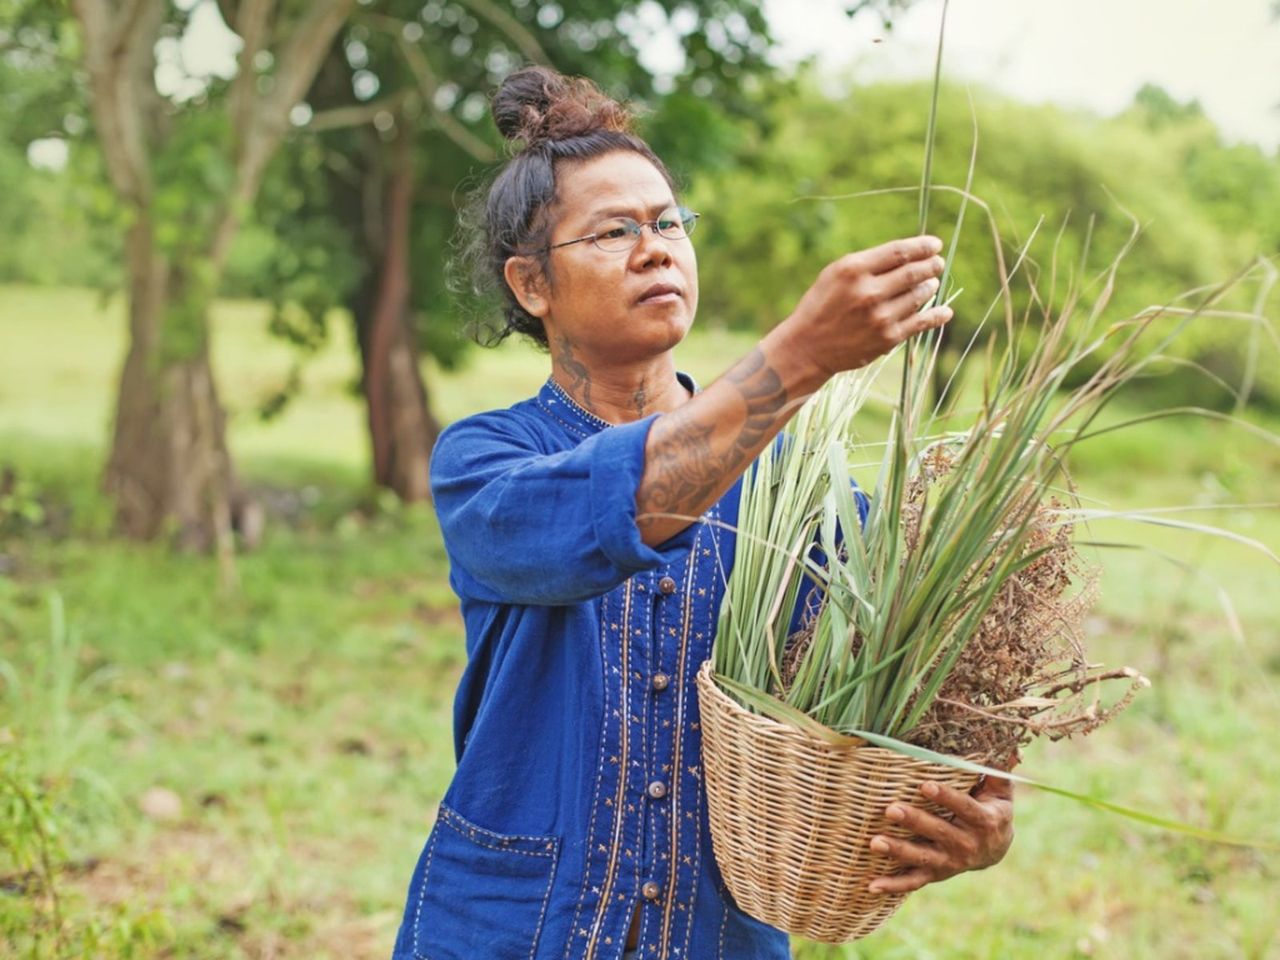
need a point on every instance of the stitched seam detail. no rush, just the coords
(677, 755)
(724, 922)
(466, 828)
(646, 760)
(470, 838)
(577, 408)
(623, 759)
(542, 914)
(422, 896)
(700, 791)
(574, 428)
(595, 793)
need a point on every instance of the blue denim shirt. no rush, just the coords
(578, 792)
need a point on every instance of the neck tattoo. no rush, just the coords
(575, 371)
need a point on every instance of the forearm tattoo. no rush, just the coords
(684, 469)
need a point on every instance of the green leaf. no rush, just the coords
(1163, 823)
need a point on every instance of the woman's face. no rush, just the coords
(618, 306)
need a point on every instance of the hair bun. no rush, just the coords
(536, 104)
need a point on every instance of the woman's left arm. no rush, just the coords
(978, 837)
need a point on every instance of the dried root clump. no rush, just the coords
(1025, 672)
(793, 655)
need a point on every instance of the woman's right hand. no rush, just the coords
(864, 304)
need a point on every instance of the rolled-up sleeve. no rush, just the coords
(523, 525)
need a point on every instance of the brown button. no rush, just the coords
(657, 789)
(661, 681)
(651, 890)
(667, 585)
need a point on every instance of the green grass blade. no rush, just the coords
(1141, 816)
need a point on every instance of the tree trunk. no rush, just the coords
(169, 469)
(401, 427)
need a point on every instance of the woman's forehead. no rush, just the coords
(617, 182)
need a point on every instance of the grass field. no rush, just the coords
(253, 776)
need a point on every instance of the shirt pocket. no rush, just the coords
(480, 893)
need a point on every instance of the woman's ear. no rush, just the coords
(528, 282)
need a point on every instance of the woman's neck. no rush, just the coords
(619, 393)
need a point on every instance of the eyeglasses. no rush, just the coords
(623, 233)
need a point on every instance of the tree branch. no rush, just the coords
(300, 58)
(266, 119)
(228, 10)
(252, 18)
(447, 122)
(120, 66)
(516, 31)
(429, 85)
(126, 22)
(359, 114)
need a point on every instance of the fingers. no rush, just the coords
(921, 823)
(897, 253)
(1001, 788)
(920, 322)
(904, 305)
(1010, 762)
(907, 279)
(901, 882)
(966, 807)
(863, 304)
(939, 848)
(996, 788)
(911, 853)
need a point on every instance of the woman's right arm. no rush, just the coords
(526, 524)
(859, 308)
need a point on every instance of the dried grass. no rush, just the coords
(1025, 673)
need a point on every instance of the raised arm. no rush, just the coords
(858, 309)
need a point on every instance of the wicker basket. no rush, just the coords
(791, 817)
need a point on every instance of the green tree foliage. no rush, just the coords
(52, 221)
(426, 70)
(1207, 209)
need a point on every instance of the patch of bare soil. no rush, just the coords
(200, 878)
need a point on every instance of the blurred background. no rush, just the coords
(229, 336)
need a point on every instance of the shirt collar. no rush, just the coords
(556, 399)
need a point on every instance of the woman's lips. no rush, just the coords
(660, 293)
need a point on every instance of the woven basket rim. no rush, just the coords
(707, 681)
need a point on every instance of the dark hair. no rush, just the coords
(555, 120)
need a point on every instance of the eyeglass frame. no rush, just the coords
(687, 225)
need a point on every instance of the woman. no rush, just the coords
(575, 826)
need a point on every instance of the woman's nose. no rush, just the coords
(651, 248)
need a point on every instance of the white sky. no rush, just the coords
(1081, 53)
(1085, 53)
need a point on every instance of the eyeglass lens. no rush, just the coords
(622, 233)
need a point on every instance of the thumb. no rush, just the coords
(1000, 787)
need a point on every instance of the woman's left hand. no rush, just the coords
(978, 837)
